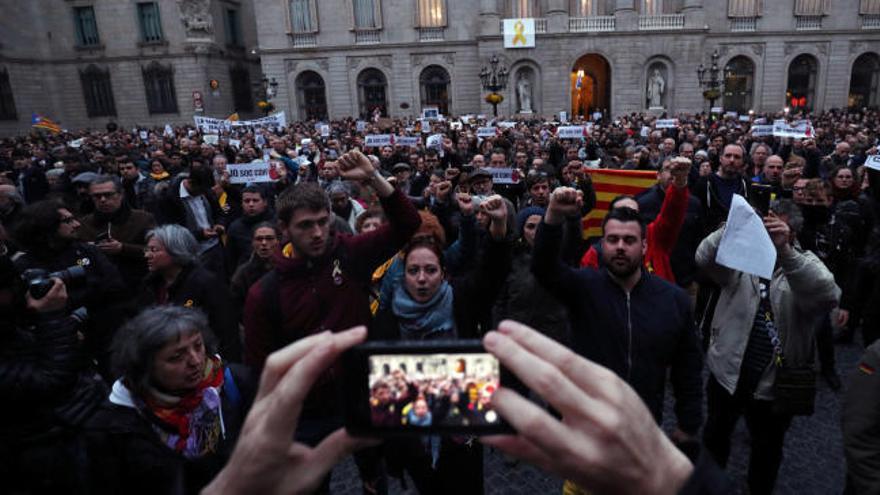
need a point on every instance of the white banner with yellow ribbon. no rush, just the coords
(519, 33)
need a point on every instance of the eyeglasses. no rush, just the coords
(104, 195)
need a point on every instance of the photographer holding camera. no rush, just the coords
(46, 393)
(46, 233)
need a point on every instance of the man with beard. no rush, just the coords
(117, 230)
(624, 317)
(47, 234)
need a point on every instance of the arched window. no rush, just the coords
(312, 96)
(434, 83)
(97, 92)
(739, 77)
(372, 93)
(801, 91)
(865, 81)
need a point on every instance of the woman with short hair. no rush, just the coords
(176, 277)
(175, 412)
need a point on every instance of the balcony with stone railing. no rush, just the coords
(593, 24)
(662, 22)
(429, 34)
(870, 22)
(367, 36)
(808, 22)
(304, 40)
(540, 25)
(743, 24)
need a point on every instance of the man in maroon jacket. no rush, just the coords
(321, 278)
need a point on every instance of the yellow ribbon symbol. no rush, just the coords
(519, 35)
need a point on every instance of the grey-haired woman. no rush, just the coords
(175, 412)
(177, 278)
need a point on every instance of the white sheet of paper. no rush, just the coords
(745, 244)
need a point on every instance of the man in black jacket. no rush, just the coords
(623, 317)
(255, 209)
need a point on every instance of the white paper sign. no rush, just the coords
(376, 140)
(360, 125)
(411, 141)
(143, 135)
(666, 124)
(486, 132)
(592, 163)
(208, 124)
(235, 143)
(519, 33)
(506, 125)
(732, 115)
(572, 131)
(325, 130)
(169, 131)
(504, 175)
(211, 139)
(646, 131)
(563, 116)
(873, 162)
(76, 143)
(435, 141)
(242, 173)
(717, 109)
(745, 244)
(762, 130)
(797, 130)
(743, 118)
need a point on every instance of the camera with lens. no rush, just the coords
(39, 281)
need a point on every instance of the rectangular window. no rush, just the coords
(522, 9)
(743, 8)
(159, 86)
(302, 16)
(810, 7)
(7, 102)
(151, 23)
(432, 13)
(97, 92)
(86, 26)
(869, 7)
(242, 97)
(587, 8)
(366, 14)
(233, 28)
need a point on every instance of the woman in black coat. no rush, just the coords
(173, 416)
(427, 306)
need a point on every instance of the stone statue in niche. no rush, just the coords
(196, 17)
(524, 92)
(656, 89)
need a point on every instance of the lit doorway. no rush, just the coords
(590, 86)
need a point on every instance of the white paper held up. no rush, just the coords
(746, 245)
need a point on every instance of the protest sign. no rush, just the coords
(666, 123)
(376, 140)
(360, 125)
(168, 130)
(435, 141)
(572, 131)
(211, 139)
(143, 135)
(235, 143)
(325, 130)
(212, 125)
(799, 130)
(762, 130)
(76, 143)
(411, 141)
(873, 162)
(744, 118)
(563, 116)
(506, 125)
(732, 115)
(486, 131)
(504, 175)
(646, 131)
(717, 109)
(257, 171)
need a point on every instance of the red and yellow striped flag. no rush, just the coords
(233, 118)
(609, 184)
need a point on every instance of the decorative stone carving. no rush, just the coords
(656, 86)
(323, 63)
(449, 58)
(196, 17)
(417, 60)
(291, 65)
(758, 49)
(723, 50)
(383, 60)
(789, 48)
(823, 48)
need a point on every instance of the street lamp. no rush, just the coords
(710, 81)
(494, 80)
(266, 90)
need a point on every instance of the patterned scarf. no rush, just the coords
(429, 320)
(191, 425)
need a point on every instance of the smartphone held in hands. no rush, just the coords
(394, 388)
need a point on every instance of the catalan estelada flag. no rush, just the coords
(40, 122)
(234, 117)
(609, 184)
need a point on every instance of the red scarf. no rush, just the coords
(177, 415)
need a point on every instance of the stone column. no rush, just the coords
(625, 16)
(557, 16)
(490, 18)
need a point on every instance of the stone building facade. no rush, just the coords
(84, 63)
(338, 58)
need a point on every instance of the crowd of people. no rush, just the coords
(144, 290)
